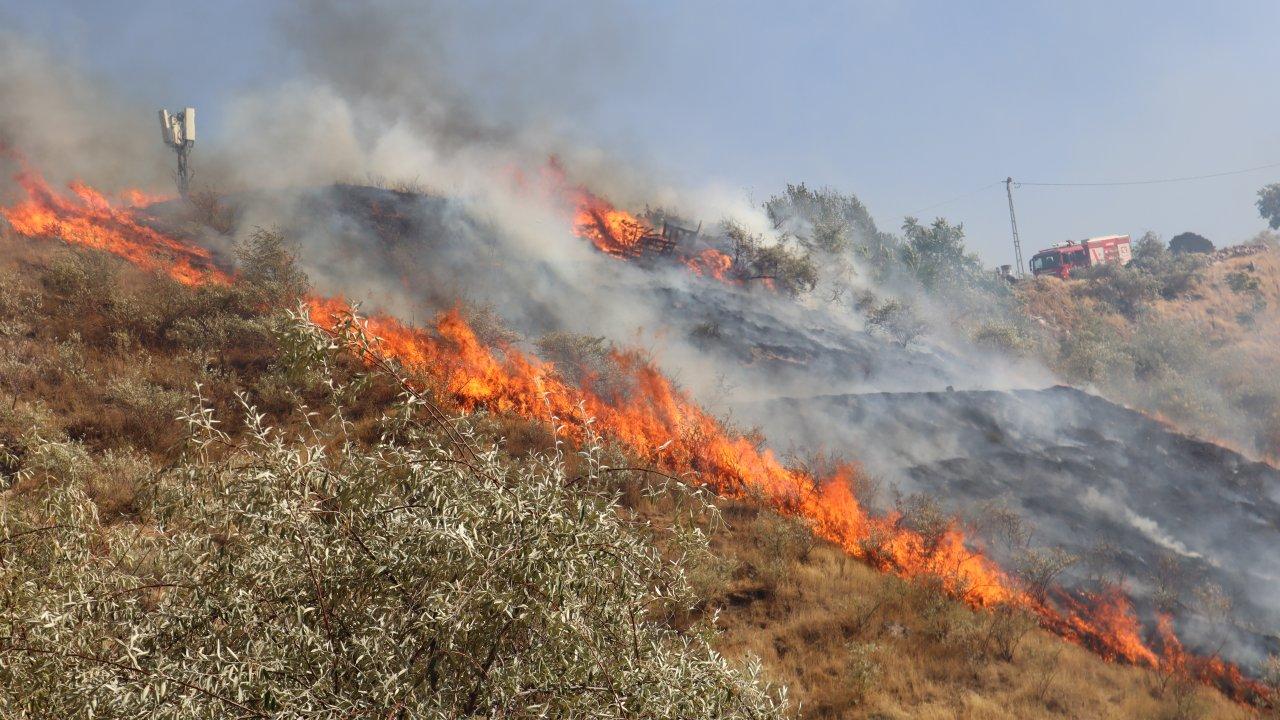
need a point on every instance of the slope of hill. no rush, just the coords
(849, 642)
(100, 358)
(1238, 301)
(212, 509)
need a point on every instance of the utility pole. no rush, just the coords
(1013, 222)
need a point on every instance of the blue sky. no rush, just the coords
(904, 103)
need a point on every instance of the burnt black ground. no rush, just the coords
(1088, 475)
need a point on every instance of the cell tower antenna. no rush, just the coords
(1013, 223)
(179, 131)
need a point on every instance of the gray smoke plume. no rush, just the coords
(72, 125)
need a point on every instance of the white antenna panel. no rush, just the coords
(189, 124)
(166, 127)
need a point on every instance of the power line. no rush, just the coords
(958, 197)
(1108, 183)
(1159, 181)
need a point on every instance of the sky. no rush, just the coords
(907, 104)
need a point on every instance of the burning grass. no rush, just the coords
(850, 642)
(655, 421)
(91, 221)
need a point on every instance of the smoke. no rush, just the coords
(73, 124)
(403, 93)
(436, 91)
(1096, 501)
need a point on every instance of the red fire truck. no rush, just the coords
(1060, 259)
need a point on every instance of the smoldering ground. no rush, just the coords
(1173, 518)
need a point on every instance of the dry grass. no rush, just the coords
(1216, 309)
(850, 642)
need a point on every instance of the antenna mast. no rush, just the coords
(1013, 223)
(179, 131)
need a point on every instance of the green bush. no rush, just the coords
(936, 255)
(268, 269)
(1127, 290)
(1161, 348)
(1243, 282)
(1002, 336)
(1094, 353)
(862, 668)
(897, 319)
(1173, 273)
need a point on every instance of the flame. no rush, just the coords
(1105, 623)
(711, 263)
(139, 199)
(1210, 670)
(663, 425)
(656, 421)
(621, 234)
(613, 231)
(88, 219)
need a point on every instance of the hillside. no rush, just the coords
(1237, 302)
(100, 357)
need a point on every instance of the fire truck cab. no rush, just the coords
(1060, 259)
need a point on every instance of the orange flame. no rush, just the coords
(621, 234)
(613, 231)
(711, 263)
(654, 420)
(1106, 623)
(1210, 670)
(139, 199)
(91, 221)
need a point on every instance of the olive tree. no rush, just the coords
(936, 254)
(1269, 205)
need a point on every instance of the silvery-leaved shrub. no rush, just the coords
(314, 576)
